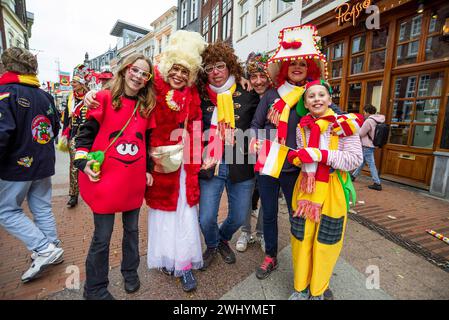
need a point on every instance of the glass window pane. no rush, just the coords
(380, 38)
(430, 85)
(399, 134)
(424, 136)
(374, 94)
(357, 64)
(402, 111)
(436, 48)
(338, 51)
(427, 110)
(445, 135)
(407, 53)
(358, 44)
(337, 69)
(336, 94)
(410, 28)
(354, 97)
(377, 60)
(405, 87)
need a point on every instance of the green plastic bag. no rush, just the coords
(348, 189)
(98, 156)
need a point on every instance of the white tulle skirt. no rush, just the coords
(174, 240)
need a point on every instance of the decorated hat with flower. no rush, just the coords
(299, 43)
(256, 62)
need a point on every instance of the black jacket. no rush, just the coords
(245, 105)
(29, 122)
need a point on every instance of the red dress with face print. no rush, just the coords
(123, 180)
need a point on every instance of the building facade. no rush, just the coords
(189, 15)
(216, 20)
(103, 61)
(15, 24)
(395, 57)
(127, 35)
(257, 24)
(163, 27)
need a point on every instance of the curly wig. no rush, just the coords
(19, 60)
(217, 52)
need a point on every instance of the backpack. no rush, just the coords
(381, 134)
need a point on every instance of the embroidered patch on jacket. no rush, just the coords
(41, 130)
(4, 95)
(24, 102)
(236, 94)
(26, 162)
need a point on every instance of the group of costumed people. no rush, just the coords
(146, 132)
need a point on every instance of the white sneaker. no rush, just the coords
(261, 240)
(43, 259)
(58, 244)
(242, 242)
(303, 295)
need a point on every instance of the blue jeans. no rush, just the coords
(239, 202)
(269, 196)
(37, 234)
(368, 158)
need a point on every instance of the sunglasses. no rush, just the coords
(220, 66)
(137, 72)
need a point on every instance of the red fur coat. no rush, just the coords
(164, 193)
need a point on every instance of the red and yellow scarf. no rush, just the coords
(27, 79)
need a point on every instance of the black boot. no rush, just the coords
(375, 186)
(73, 202)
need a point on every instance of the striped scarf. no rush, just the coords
(12, 77)
(290, 96)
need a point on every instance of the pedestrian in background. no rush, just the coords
(29, 122)
(367, 133)
(259, 80)
(119, 128)
(74, 117)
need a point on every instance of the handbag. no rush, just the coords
(168, 159)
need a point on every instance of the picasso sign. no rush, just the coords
(347, 12)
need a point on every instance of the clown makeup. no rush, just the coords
(259, 81)
(317, 100)
(178, 77)
(297, 71)
(135, 81)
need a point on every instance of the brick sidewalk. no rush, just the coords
(405, 212)
(75, 228)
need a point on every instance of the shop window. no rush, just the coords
(334, 55)
(354, 97)
(374, 93)
(416, 105)
(357, 54)
(445, 136)
(428, 25)
(436, 48)
(336, 94)
(378, 49)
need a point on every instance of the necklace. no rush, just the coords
(173, 105)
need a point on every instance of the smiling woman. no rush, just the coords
(119, 127)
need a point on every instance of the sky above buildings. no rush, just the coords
(64, 31)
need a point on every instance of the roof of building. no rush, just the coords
(120, 25)
(167, 13)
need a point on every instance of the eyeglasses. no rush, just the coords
(137, 72)
(220, 66)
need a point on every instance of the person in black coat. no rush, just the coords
(228, 110)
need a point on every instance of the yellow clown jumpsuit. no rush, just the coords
(317, 246)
